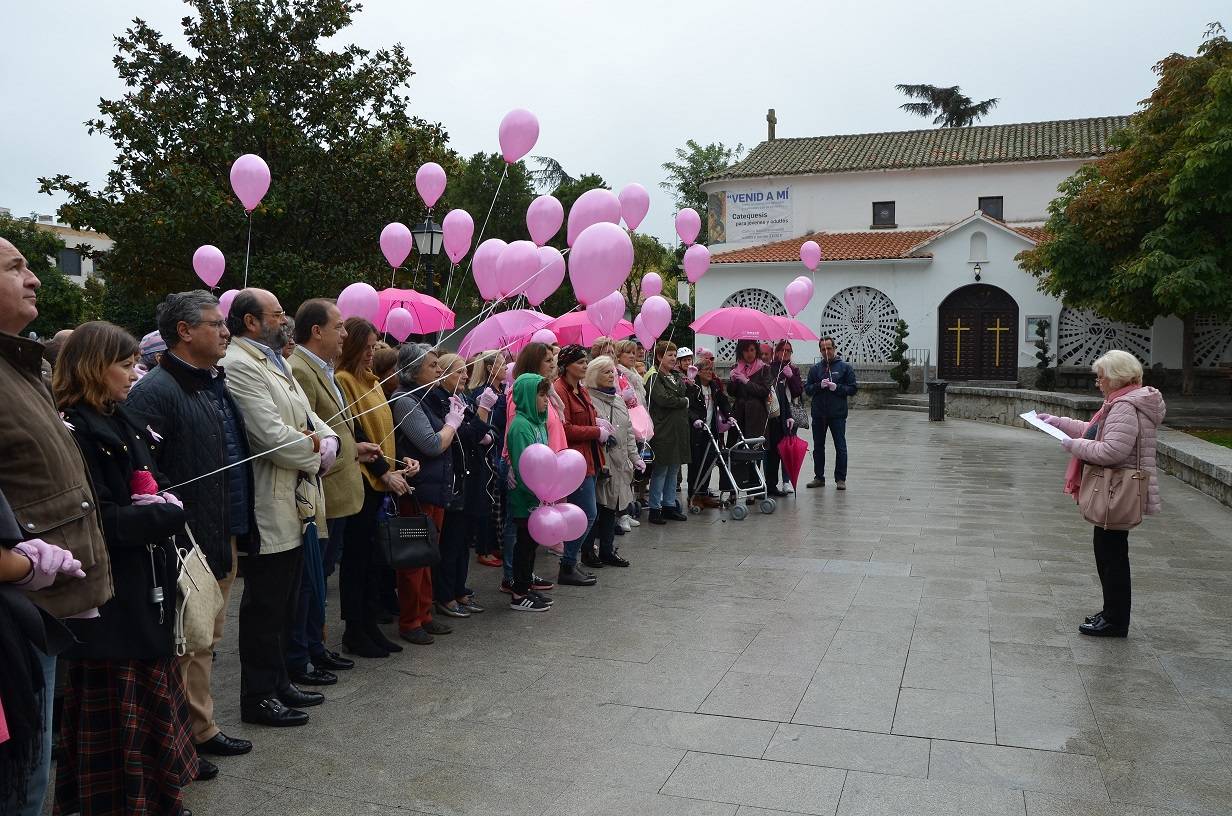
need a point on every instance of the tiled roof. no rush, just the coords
(848, 246)
(936, 147)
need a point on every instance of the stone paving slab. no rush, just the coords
(908, 646)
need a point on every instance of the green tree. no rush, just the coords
(1047, 378)
(257, 76)
(1147, 230)
(949, 107)
(649, 256)
(60, 301)
(693, 165)
(900, 373)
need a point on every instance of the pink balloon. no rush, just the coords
(543, 218)
(209, 264)
(551, 275)
(459, 228)
(483, 267)
(600, 262)
(652, 284)
(250, 179)
(518, 132)
(537, 468)
(574, 520)
(570, 472)
(688, 225)
(810, 255)
(547, 526)
(592, 207)
(634, 204)
(359, 300)
(400, 323)
(808, 284)
(430, 182)
(516, 267)
(224, 301)
(656, 315)
(644, 335)
(606, 313)
(796, 297)
(696, 262)
(395, 243)
(545, 336)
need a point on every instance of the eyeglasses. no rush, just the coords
(278, 315)
(213, 324)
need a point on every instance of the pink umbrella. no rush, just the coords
(430, 314)
(504, 330)
(575, 327)
(739, 323)
(795, 330)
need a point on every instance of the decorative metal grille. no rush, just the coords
(862, 321)
(1212, 341)
(758, 299)
(1083, 336)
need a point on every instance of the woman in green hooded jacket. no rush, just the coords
(528, 427)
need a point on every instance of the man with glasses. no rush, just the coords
(294, 447)
(830, 383)
(186, 400)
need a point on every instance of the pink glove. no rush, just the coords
(1067, 443)
(691, 373)
(171, 498)
(788, 371)
(457, 410)
(639, 464)
(1050, 419)
(791, 423)
(736, 376)
(329, 453)
(487, 439)
(628, 395)
(604, 434)
(488, 398)
(724, 426)
(46, 562)
(142, 499)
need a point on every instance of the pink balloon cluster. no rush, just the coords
(655, 316)
(551, 477)
(209, 264)
(797, 295)
(250, 179)
(553, 524)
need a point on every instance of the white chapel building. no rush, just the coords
(921, 225)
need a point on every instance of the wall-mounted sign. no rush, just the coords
(750, 216)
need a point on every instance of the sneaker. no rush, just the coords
(506, 587)
(632, 522)
(539, 596)
(490, 561)
(471, 606)
(452, 611)
(540, 584)
(434, 627)
(419, 637)
(528, 604)
(816, 483)
(841, 485)
(623, 524)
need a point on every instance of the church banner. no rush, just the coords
(757, 216)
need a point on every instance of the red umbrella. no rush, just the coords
(575, 327)
(791, 451)
(738, 323)
(430, 314)
(795, 330)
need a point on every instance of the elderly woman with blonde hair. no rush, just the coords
(614, 484)
(1121, 434)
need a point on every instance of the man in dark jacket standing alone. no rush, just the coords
(830, 383)
(185, 399)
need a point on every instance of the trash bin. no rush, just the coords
(936, 400)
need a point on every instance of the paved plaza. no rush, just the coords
(906, 647)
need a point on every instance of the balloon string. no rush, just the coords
(448, 284)
(491, 206)
(247, 248)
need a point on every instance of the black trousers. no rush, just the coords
(359, 577)
(604, 531)
(1112, 563)
(774, 433)
(523, 557)
(267, 613)
(449, 576)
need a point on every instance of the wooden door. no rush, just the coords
(978, 335)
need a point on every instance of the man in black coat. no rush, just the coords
(186, 401)
(830, 383)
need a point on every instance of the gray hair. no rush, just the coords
(181, 306)
(411, 360)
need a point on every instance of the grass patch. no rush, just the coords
(1223, 438)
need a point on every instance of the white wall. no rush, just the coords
(932, 197)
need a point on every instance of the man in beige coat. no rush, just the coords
(294, 447)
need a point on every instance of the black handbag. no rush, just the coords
(406, 542)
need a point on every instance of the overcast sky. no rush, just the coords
(617, 86)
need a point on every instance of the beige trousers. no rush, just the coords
(196, 667)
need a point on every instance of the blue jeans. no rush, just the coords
(40, 774)
(663, 481)
(583, 497)
(837, 426)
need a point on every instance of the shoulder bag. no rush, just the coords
(199, 601)
(406, 542)
(1114, 497)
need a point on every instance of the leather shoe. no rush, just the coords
(614, 560)
(674, 514)
(299, 698)
(591, 560)
(316, 677)
(206, 770)
(332, 661)
(1102, 628)
(1095, 617)
(273, 713)
(776, 493)
(222, 745)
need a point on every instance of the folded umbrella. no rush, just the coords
(791, 452)
(430, 314)
(575, 327)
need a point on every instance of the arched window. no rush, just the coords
(758, 299)
(861, 320)
(979, 248)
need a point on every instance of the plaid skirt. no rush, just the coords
(127, 747)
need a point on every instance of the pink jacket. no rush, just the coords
(1135, 416)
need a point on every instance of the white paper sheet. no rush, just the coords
(1032, 419)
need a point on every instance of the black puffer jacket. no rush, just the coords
(175, 400)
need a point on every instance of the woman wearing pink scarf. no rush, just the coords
(749, 385)
(1123, 427)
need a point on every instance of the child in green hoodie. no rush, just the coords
(529, 426)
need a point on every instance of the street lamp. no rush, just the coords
(429, 238)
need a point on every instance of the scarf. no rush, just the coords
(1073, 473)
(748, 369)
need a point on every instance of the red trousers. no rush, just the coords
(415, 585)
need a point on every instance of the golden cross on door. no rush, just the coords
(958, 328)
(996, 332)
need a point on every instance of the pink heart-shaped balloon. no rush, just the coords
(537, 467)
(570, 473)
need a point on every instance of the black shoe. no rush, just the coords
(674, 514)
(332, 661)
(572, 575)
(539, 596)
(435, 627)
(614, 560)
(541, 584)
(357, 642)
(656, 516)
(778, 494)
(316, 677)
(222, 745)
(528, 603)
(1095, 617)
(273, 713)
(385, 617)
(206, 770)
(299, 698)
(591, 560)
(419, 637)
(1102, 628)
(375, 634)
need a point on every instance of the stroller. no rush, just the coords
(741, 474)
